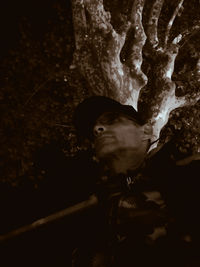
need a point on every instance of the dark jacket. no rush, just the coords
(67, 181)
(109, 227)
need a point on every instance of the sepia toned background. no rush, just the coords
(40, 88)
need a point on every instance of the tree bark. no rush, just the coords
(98, 57)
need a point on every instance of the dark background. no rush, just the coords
(38, 95)
(40, 89)
(40, 86)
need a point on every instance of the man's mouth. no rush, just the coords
(104, 139)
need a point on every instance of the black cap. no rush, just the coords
(91, 108)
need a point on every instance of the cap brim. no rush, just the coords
(91, 108)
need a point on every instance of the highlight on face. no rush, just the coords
(117, 136)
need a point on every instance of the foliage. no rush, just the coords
(38, 95)
(41, 88)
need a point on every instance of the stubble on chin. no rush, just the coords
(121, 161)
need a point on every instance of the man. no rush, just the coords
(121, 141)
(120, 138)
(128, 225)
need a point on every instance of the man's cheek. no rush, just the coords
(103, 150)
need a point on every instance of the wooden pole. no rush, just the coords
(92, 201)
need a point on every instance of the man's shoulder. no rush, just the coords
(167, 165)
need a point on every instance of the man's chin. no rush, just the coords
(113, 152)
(107, 154)
(120, 162)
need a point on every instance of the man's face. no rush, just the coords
(118, 136)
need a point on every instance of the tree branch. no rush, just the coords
(98, 55)
(98, 18)
(135, 59)
(79, 22)
(165, 99)
(198, 70)
(184, 37)
(169, 26)
(98, 48)
(134, 62)
(152, 33)
(163, 93)
(96, 44)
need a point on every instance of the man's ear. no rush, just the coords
(147, 130)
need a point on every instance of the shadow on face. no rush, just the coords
(120, 141)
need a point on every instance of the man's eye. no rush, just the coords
(109, 120)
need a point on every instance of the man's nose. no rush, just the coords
(99, 129)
